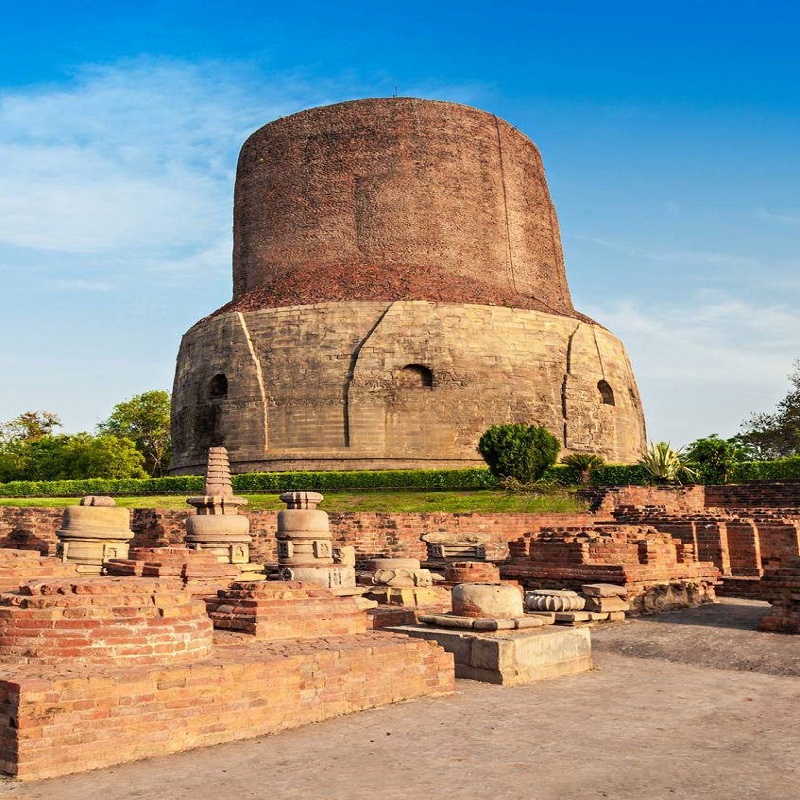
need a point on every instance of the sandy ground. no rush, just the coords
(694, 704)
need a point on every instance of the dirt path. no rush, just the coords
(682, 707)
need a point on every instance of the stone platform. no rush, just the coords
(511, 657)
(70, 717)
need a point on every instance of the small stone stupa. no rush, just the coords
(216, 526)
(305, 549)
(93, 532)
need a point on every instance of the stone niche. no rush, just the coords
(93, 532)
(385, 315)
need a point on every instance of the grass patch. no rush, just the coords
(397, 502)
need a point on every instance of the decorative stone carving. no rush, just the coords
(305, 546)
(217, 527)
(93, 532)
(446, 548)
(400, 572)
(554, 600)
(401, 582)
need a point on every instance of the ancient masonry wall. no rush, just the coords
(369, 385)
(56, 720)
(395, 535)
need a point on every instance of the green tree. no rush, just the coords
(519, 451)
(713, 458)
(144, 419)
(776, 435)
(29, 426)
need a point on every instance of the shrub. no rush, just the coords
(583, 464)
(665, 465)
(262, 482)
(519, 451)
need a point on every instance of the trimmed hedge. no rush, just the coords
(781, 469)
(260, 483)
(432, 480)
(620, 475)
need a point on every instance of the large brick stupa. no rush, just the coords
(398, 287)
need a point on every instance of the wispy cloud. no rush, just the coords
(708, 258)
(706, 364)
(784, 218)
(79, 285)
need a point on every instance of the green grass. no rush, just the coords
(408, 501)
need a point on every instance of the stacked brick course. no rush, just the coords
(286, 610)
(781, 586)
(111, 620)
(73, 717)
(19, 566)
(657, 570)
(199, 572)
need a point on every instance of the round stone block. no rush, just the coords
(487, 600)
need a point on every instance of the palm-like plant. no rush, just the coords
(665, 465)
(583, 464)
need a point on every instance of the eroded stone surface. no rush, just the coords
(93, 532)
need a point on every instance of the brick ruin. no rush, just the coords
(397, 271)
(83, 656)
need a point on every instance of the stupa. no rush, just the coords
(398, 287)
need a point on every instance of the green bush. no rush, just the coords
(781, 469)
(261, 483)
(519, 451)
(620, 475)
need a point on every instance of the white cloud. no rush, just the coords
(705, 365)
(790, 218)
(80, 285)
(675, 256)
(137, 157)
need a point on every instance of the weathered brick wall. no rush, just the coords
(772, 494)
(344, 186)
(667, 499)
(396, 535)
(61, 719)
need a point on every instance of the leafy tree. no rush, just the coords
(64, 457)
(29, 426)
(776, 435)
(665, 465)
(713, 458)
(144, 419)
(519, 451)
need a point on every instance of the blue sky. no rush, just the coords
(669, 133)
